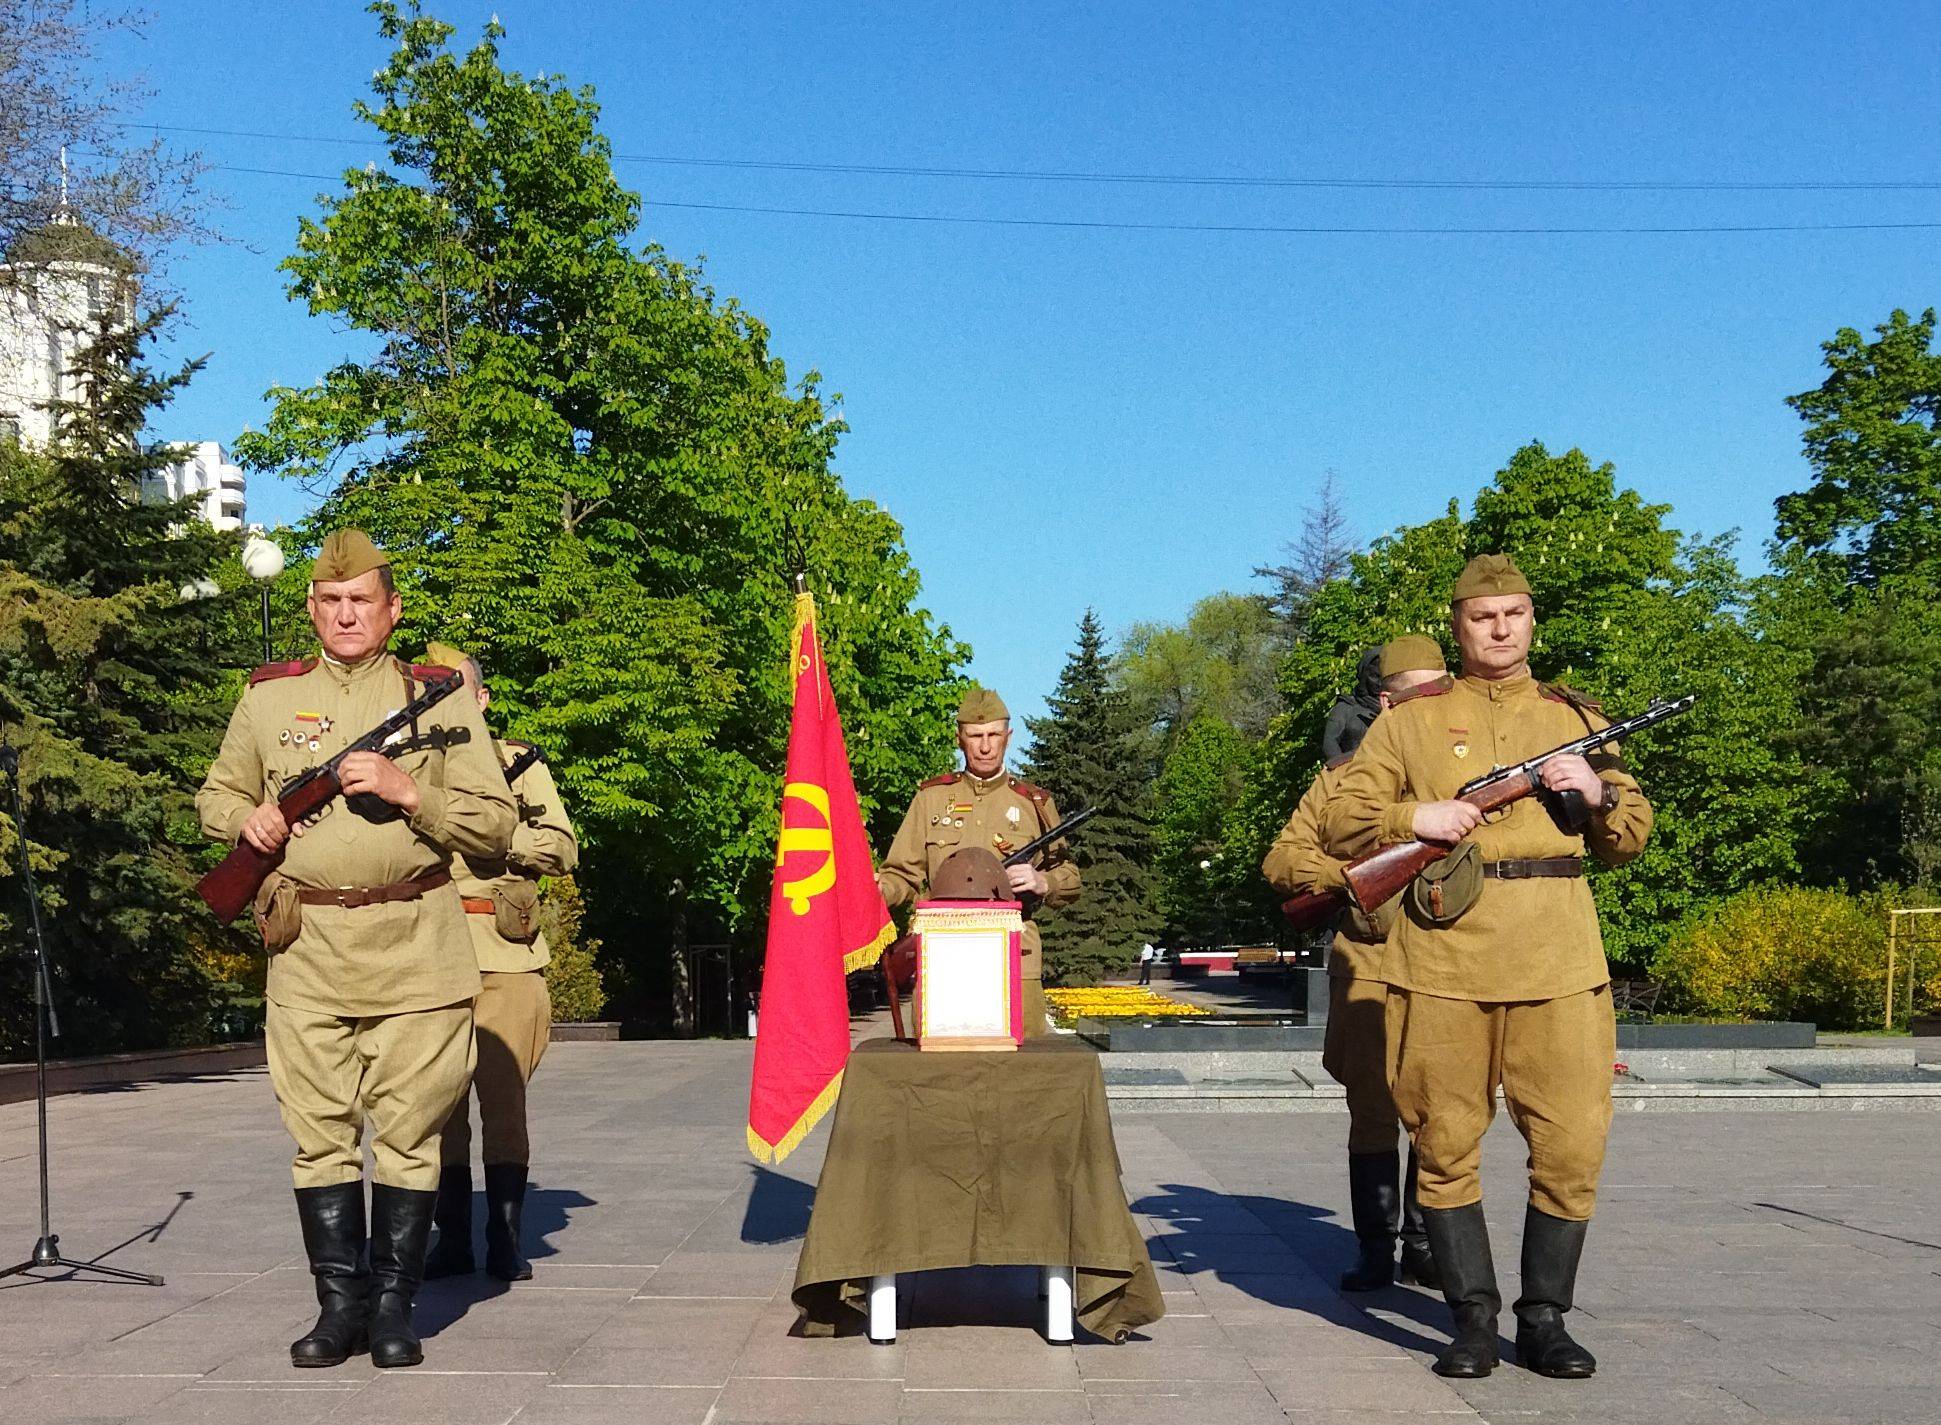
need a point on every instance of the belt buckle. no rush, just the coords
(340, 896)
(1513, 870)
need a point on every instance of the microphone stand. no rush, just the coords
(47, 1251)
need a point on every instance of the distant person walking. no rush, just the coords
(1146, 956)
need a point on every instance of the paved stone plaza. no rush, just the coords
(1746, 1267)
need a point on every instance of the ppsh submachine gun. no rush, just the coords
(230, 888)
(1382, 874)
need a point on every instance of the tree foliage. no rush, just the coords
(106, 690)
(593, 473)
(1873, 436)
(1086, 752)
(1220, 663)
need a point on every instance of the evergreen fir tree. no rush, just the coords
(1086, 754)
(110, 686)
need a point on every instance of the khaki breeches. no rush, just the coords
(1355, 1054)
(513, 1019)
(1552, 1059)
(403, 1071)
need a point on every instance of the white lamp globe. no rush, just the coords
(262, 558)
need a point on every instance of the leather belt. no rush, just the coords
(481, 905)
(351, 897)
(1560, 866)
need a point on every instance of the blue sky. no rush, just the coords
(1133, 419)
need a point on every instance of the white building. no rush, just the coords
(56, 282)
(209, 476)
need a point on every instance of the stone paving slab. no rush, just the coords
(1745, 1266)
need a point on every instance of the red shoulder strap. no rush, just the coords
(1433, 689)
(281, 670)
(945, 780)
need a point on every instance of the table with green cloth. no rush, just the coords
(955, 1159)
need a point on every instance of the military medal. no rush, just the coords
(1011, 815)
(283, 737)
(313, 744)
(1461, 749)
(323, 724)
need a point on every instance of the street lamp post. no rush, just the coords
(263, 561)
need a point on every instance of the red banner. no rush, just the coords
(825, 916)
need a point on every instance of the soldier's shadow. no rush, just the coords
(547, 1213)
(778, 1208)
(1217, 1235)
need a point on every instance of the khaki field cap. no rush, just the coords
(1488, 574)
(346, 553)
(443, 655)
(1412, 653)
(981, 705)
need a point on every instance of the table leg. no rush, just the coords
(1058, 1304)
(882, 1310)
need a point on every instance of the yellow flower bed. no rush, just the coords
(1117, 1002)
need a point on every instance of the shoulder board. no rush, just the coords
(1559, 693)
(281, 670)
(1434, 689)
(945, 780)
(1025, 789)
(1342, 761)
(515, 743)
(428, 672)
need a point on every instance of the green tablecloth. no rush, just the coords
(974, 1159)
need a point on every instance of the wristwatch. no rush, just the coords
(1607, 803)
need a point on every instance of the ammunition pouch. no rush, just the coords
(1443, 891)
(515, 911)
(279, 914)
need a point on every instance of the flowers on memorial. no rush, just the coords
(1117, 1002)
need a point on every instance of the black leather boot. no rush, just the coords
(505, 1201)
(1552, 1247)
(1374, 1202)
(451, 1254)
(1459, 1240)
(1418, 1262)
(333, 1239)
(400, 1232)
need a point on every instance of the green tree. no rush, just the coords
(1085, 752)
(106, 689)
(1869, 710)
(1221, 663)
(1199, 786)
(1873, 436)
(593, 473)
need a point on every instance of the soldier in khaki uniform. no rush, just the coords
(1382, 1199)
(512, 1018)
(986, 806)
(1512, 992)
(371, 973)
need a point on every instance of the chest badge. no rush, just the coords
(1011, 815)
(283, 737)
(1461, 749)
(323, 723)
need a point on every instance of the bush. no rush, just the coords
(1784, 952)
(573, 977)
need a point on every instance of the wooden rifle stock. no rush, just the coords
(230, 888)
(1383, 873)
(234, 884)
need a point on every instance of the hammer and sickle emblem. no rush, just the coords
(807, 838)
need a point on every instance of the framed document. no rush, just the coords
(969, 993)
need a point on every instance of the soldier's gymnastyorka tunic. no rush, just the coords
(1516, 992)
(1000, 814)
(512, 1019)
(369, 1009)
(1354, 1050)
